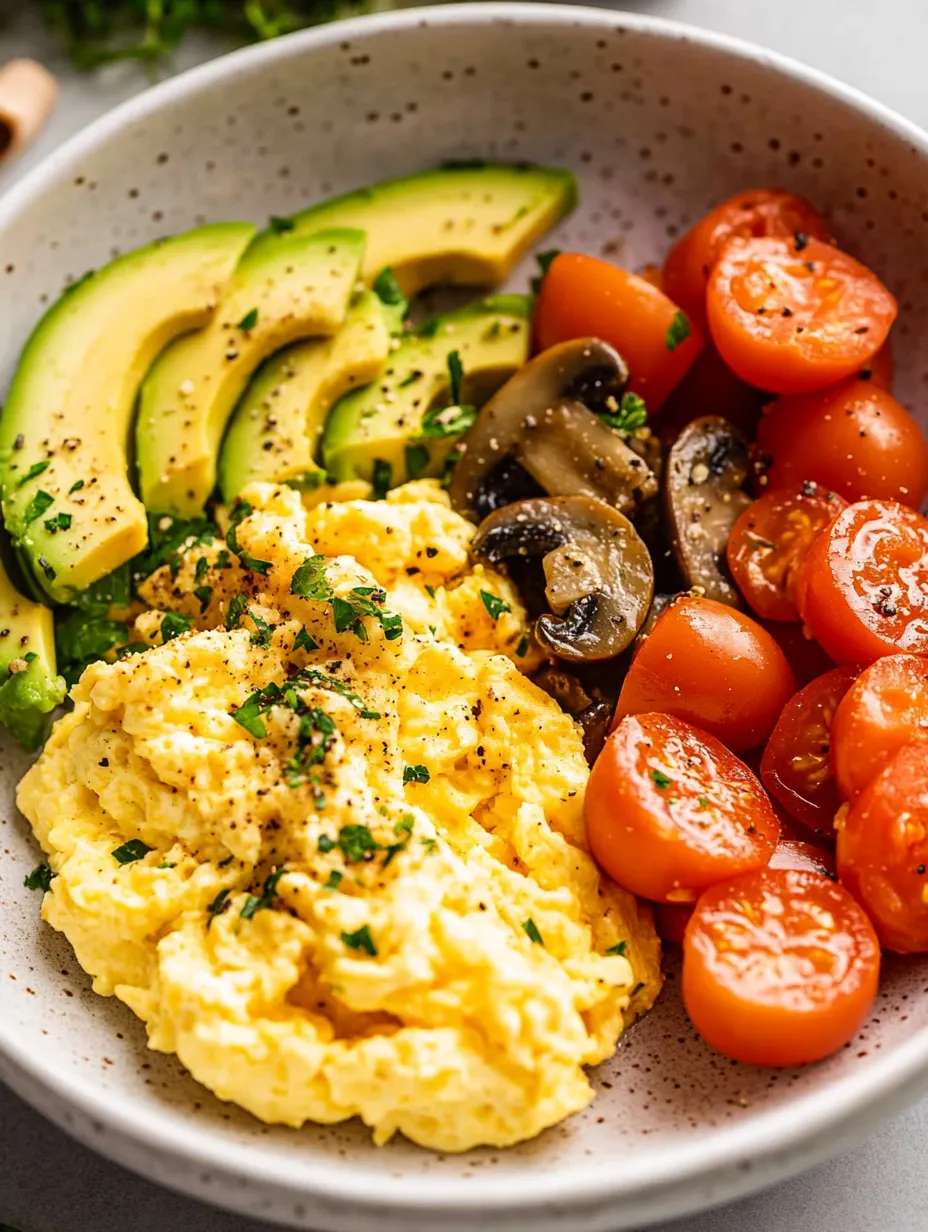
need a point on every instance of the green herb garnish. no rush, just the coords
(416, 774)
(545, 260)
(309, 580)
(455, 377)
(494, 604)
(443, 421)
(249, 320)
(174, 624)
(618, 949)
(531, 930)
(380, 480)
(61, 521)
(129, 852)
(361, 939)
(417, 459)
(37, 506)
(303, 641)
(387, 289)
(35, 469)
(678, 331)
(241, 510)
(39, 879)
(267, 898)
(280, 226)
(631, 415)
(660, 780)
(219, 904)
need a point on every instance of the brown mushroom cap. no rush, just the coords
(598, 571)
(706, 469)
(541, 420)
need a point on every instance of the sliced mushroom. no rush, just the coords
(706, 469)
(541, 426)
(597, 569)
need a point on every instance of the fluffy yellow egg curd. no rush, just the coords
(351, 875)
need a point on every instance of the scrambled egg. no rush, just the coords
(369, 894)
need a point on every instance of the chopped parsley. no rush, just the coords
(174, 624)
(417, 459)
(703, 802)
(41, 502)
(455, 377)
(494, 604)
(129, 852)
(326, 844)
(35, 469)
(309, 580)
(362, 601)
(303, 641)
(279, 225)
(430, 845)
(660, 780)
(39, 879)
(678, 331)
(201, 571)
(61, 521)
(335, 880)
(416, 774)
(430, 591)
(238, 606)
(619, 949)
(545, 260)
(387, 289)
(168, 539)
(263, 631)
(380, 480)
(522, 648)
(75, 486)
(249, 320)
(357, 843)
(266, 899)
(445, 421)
(219, 904)
(531, 931)
(361, 939)
(241, 510)
(631, 415)
(204, 594)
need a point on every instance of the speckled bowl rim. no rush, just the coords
(794, 1136)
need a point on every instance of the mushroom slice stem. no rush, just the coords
(598, 572)
(542, 420)
(706, 469)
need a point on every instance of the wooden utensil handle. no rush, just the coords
(28, 93)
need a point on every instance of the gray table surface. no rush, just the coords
(49, 1183)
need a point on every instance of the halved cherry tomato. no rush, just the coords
(780, 967)
(883, 850)
(863, 590)
(670, 920)
(880, 368)
(710, 388)
(854, 438)
(796, 767)
(670, 811)
(770, 541)
(583, 297)
(713, 666)
(806, 857)
(886, 708)
(792, 318)
(803, 653)
(758, 212)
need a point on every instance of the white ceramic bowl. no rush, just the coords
(659, 122)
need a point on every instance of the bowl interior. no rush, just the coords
(657, 125)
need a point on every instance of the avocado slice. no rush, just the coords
(286, 287)
(30, 687)
(277, 425)
(382, 426)
(64, 432)
(462, 224)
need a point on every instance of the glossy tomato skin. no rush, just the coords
(583, 297)
(863, 588)
(793, 321)
(771, 539)
(670, 920)
(880, 368)
(757, 212)
(714, 667)
(669, 810)
(883, 850)
(780, 967)
(853, 438)
(796, 766)
(886, 707)
(806, 857)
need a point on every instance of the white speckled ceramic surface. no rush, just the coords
(658, 122)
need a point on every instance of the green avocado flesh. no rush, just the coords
(383, 423)
(29, 685)
(276, 428)
(64, 432)
(465, 224)
(286, 287)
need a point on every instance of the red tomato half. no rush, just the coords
(803, 653)
(796, 767)
(883, 850)
(713, 666)
(770, 541)
(780, 967)
(863, 589)
(854, 438)
(886, 708)
(583, 297)
(669, 810)
(793, 320)
(758, 212)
